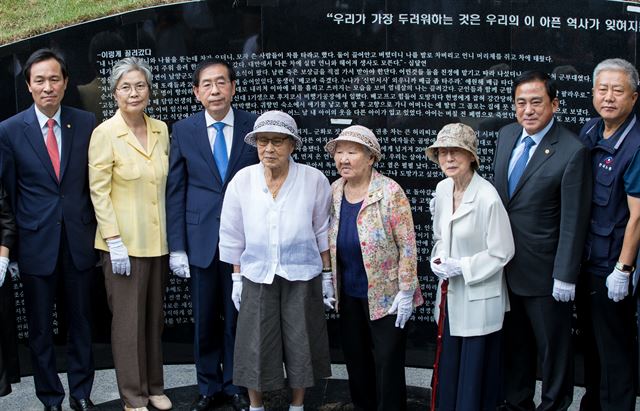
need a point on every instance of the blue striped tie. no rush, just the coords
(521, 164)
(220, 150)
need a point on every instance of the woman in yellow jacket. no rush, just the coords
(128, 165)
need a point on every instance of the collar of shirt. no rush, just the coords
(227, 130)
(610, 143)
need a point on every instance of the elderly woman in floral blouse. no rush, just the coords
(373, 252)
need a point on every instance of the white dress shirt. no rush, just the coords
(282, 236)
(227, 130)
(57, 130)
(517, 151)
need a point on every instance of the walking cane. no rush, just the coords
(443, 304)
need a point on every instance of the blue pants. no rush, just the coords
(469, 372)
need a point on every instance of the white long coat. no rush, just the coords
(478, 234)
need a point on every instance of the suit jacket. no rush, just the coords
(549, 209)
(479, 235)
(127, 185)
(194, 188)
(41, 203)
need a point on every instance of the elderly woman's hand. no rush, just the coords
(403, 304)
(446, 268)
(236, 291)
(119, 256)
(328, 295)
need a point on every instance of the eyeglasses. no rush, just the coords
(127, 88)
(276, 142)
(220, 84)
(455, 152)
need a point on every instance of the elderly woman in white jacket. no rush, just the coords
(473, 242)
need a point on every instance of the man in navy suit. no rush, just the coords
(207, 149)
(43, 157)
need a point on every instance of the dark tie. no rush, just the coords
(220, 150)
(518, 169)
(52, 147)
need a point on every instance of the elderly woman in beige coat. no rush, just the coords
(473, 242)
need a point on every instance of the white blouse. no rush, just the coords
(282, 236)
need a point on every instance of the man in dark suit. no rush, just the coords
(542, 173)
(207, 149)
(43, 155)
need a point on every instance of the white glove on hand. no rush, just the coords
(119, 255)
(328, 295)
(14, 270)
(236, 291)
(4, 264)
(179, 264)
(403, 304)
(448, 267)
(563, 292)
(432, 203)
(618, 285)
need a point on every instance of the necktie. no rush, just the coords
(220, 150)
(518, 169)
(52, 147)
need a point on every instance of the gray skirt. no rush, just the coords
(280, 323)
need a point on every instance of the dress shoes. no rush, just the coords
(239, 402)
(206, 402)
(160, 402)
(83, 404)
(53, 408)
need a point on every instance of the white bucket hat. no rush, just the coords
(274, 122)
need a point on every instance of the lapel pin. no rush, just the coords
(547, 151)
(68, 125)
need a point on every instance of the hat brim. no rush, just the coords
(432, 155)
(330, 147)
(250, 138)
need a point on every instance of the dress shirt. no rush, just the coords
(282, 236)
(537, 137)
(57, 130)
(127, 185)
(227, 130)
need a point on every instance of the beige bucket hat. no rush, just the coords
(455, 135)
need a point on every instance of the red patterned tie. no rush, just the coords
(52, 147)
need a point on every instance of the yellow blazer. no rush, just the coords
(127, 185)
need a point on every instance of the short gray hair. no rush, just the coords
(617, 65)
(127, 64)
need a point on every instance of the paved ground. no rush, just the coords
(180, 380)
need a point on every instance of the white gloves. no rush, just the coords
(403, 304)
(119, 255)
(236, 291)
(432, 203)
(14, 270)
(328, 295)
(179, 264)
(446, 268)
(563, 292)
(618, 285)
(4, 264)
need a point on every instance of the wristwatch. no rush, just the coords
(624, 268)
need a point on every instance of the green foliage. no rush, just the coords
(20, 19)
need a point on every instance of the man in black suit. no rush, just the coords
(542, 173)
(43, 155)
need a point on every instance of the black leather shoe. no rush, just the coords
(206, 402)
(83, 404)
(239, 402)
(53, 408)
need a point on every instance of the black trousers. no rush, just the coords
(538, 328)
(374, 352)
(470, 372)
(9, 367)
(609, 345)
